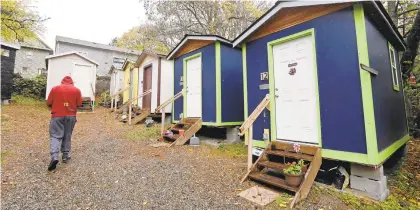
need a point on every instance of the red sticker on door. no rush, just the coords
(292, 71)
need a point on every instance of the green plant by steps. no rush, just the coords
(294, 168)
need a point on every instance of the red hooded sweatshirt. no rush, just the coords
(64, 99)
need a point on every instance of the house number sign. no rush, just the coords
(264, 76)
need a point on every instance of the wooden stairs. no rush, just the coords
(268, 169)
(189, 125)
(86, 104)
(137, 116)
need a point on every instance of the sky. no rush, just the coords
(91, 20)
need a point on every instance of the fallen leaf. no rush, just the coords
(144, 203)
(282, 205)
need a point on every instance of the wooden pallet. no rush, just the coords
(190, 127)
(268, 169)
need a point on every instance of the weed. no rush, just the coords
(230, 150)
(145, 132)
(4, 154)
(22, 100)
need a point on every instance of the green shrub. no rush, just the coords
(32, 88)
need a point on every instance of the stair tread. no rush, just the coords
(173, 137)
(272, 165)
(290, 154)
(272, 180)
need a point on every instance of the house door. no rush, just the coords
(130, 96)
(295, 91)
(147, 85)
(193, 88)
(81, 76)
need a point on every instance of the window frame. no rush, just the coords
(5, 52)
(394, 67)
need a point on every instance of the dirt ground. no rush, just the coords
(113, 166)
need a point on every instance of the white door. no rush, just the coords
(296, 99)
(82, 75)
(193, 104)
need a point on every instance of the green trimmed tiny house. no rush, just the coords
(333, 77)
(209, 71)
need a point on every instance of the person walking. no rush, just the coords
(63, 100)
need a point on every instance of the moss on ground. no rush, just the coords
(143, 132)
(230, 150)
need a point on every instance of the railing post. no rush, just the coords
(163, 122)
(129, 113)
(112, 102)
(249, 148)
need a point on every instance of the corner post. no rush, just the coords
(250, 148)
(366, 84)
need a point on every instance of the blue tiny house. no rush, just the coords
(332, 73)
(209, 71)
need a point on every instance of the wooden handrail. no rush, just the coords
(120, 91)
(169, 101)
(248, 123)
(247, 126)
(139, 96)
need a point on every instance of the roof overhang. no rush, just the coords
(126, 62)
(146, 53)
(281, 5)
(71, 53)
(196, 37)
(14, 46)
(113, 69)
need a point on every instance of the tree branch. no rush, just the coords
(405, 12)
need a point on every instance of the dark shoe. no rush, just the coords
(53, 165)
(66, 159)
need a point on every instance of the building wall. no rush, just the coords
(103, 57)
(167, 82)
(208, 63)
(29, 61)
(7, 66)
(60, 67)
(149, 60)
(390, 116)
(341, 108)
(166, 89)
(126, 95)
(231, 84)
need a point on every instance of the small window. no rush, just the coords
(5, 53)
(394, 70)
(118, 60)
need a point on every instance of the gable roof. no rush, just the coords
(71, 53)
(146, 53)
(377, 7)
(36, 43)
(126, 62)
(13, 46)
(196, 37)
(95, 45)
(117, 68)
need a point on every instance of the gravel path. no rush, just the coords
(110, 171)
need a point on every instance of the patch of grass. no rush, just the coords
(144, 132)
(22, 100)
(4, 154)
(283, 200)
(230, 150)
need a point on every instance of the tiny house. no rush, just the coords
(209, 71)
(8, 58)
(332, 73)
(117, 79)
(79, 67)
(130, 80)
(154, 73)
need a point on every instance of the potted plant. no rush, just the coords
(294, 171)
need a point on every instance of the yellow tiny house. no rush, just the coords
(130, 80)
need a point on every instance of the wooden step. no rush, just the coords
(171, 138)
(272, 165)
(290, 154)
(272, 180)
